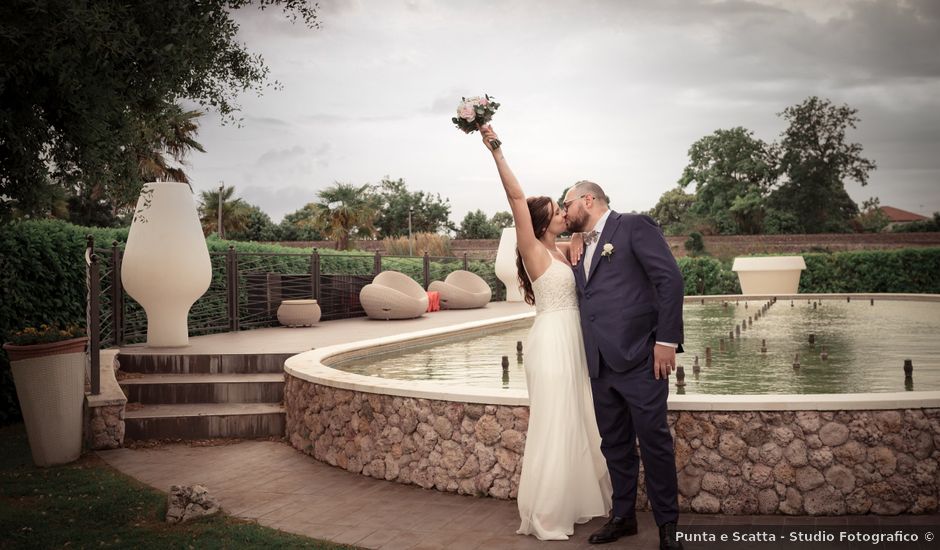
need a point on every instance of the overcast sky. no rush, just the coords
(611, 91)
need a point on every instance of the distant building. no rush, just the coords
(897, 217)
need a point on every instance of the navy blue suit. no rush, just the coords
(630, 300)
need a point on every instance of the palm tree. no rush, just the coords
(235, 212)
(172, 134)
(344, 210)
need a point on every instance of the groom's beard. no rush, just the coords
(577, 225)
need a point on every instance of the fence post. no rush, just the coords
(427, 270)
(231, 290)
(117, 296)
(94, 330)
(315, 275)
(235, 308)
(377, 266)
(465, 265)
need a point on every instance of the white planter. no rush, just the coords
(506, 270)
(769, 274)
(51, 390)
(166, 264)
(298, 313)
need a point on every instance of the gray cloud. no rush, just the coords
(603, 89)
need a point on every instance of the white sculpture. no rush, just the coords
(166, 265)
(506, 269)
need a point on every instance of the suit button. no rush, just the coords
(592, 317)
(587, 295)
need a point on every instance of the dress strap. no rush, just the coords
(524, 267)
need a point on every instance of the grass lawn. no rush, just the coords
(88, 504)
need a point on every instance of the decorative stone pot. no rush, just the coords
(298, 313)
(769, 274)
(166, 264)
(50, 384)
(506, 269)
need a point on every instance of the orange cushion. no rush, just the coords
(434, 300)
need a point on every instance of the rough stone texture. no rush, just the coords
(186, 503)
(105, 427)
(767, 462)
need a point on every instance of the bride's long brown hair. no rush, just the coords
(541, 217)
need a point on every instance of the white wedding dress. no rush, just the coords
(564, 475)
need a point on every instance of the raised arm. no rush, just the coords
(535, 259)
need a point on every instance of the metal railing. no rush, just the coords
(247, 288)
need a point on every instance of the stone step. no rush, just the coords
(205, 420)
(171, 389)
(144, 361)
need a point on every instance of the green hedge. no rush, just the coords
(41, 281)
(915, 270)
(704, 276)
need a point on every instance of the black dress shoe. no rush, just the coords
(667, 537)
(614, 529)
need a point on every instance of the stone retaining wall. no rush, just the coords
(752, 462)
(104, 413)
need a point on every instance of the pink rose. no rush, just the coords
(466, 112)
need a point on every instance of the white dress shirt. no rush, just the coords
(588, 256)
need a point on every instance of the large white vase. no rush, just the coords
(166, 264)
(769, 274)
(506, 269)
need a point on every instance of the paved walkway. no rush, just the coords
(279, 487)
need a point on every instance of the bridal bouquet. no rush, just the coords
(473, 112)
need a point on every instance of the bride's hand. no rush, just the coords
(488, 136)
(576, 248)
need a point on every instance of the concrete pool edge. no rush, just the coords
(315, 366)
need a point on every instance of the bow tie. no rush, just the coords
(590, 237)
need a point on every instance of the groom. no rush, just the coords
(630, 292)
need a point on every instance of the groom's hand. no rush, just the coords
(664, 361)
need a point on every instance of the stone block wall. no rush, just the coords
(104, 413)
(464, 448)
(807, 462)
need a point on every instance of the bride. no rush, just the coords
(564, 475)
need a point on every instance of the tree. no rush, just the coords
(173, 134)
(733, 173)
(816, 160)
(81, 83)
(168, 137)
(476, 225)
(258, 227)
(672, 210)
(235, 212)
(429, 214)
(502, 220)
(299, 226)
(872, 218)
(343, 211)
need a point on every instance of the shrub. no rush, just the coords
(694, 244)
(42, 281)
(432, 243)
(707, 276)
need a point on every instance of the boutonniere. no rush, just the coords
(608, 251)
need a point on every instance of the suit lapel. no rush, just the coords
(613, 221)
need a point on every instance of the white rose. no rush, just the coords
(466, 112)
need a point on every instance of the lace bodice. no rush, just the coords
(555, 289)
